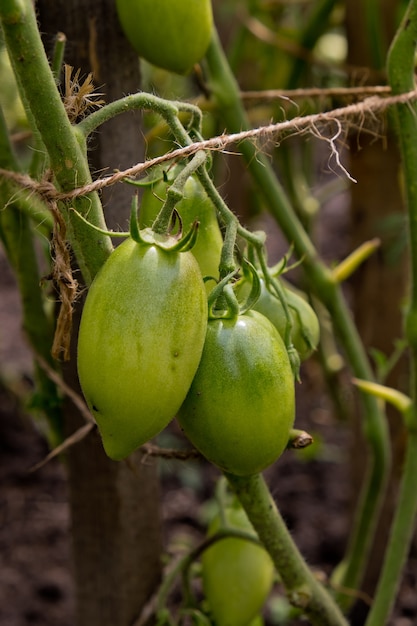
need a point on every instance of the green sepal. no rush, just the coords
(133, 222)
(216, 297)
(250, 270)
(176, 217)
(149, 181)
(170, 243)
(188, 240)
(109, 233)
(282, 267)
(295, 361)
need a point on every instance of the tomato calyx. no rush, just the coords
(168, 241)
(223, 303)
(255, 291)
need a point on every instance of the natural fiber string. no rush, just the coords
(301, 124)
(63, 277)
(62, 273)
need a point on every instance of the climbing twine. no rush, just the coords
(63, 277)
(330, 126)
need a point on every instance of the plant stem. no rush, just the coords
(401, 78)
(17, 237)
(183, 565)
(303, 589)
(226, 94)
(375, 37)
(58, 56)
(168, 110)
(67, 157)
(18, 240)
(175, 193)
(316, 23)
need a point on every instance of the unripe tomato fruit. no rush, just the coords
(305, 332)
(240, 406)
(171, 34)
(237, 574)
(195, 206)
(140, 341)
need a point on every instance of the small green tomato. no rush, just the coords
(237, 573)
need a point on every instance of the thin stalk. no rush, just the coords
(233, 228)
(18, 240)
(374, 31)
(31, 205)
(58, 56)
(175, 193)
(225, 92)
(316, 24)
(17, 237)
(67, 156)
(168, 110)
(303, 589)
(400, 67)
(183, 565)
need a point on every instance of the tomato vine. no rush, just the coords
(156, 341)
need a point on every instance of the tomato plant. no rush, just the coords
(240, 406)
(305, 330)
(171, 35)
(237, 573)
(195, 206)
(140, 341)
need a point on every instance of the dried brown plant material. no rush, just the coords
(79, 96)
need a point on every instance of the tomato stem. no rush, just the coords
(183, 565)
(401, 66)
(56, 136)
(255, 291)
(175, 193)
(225, 93)
(167, 109)
(303, 588)
(233, 228)
(58, 56)
(218, 304)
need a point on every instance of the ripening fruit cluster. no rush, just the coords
(148, 350)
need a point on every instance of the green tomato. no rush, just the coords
(195, 206)
(171, 34)
(305, 332)
(140, 341)
(237, 574)
(240, 407)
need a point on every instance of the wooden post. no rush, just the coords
(114, 506)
